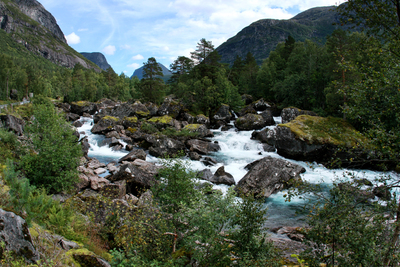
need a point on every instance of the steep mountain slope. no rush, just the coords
(262, 36)
(30, 24)
(97, 58)
(139, 72)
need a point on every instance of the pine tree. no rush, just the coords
(152, 86)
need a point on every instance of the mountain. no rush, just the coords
(139, 72)
(28, 23)
(97, 58)
(261, 37)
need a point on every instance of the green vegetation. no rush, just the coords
(152, 86)
(330, 130)
(195, 225)
(353, 76)
(55, 153)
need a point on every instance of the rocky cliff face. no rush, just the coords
(261, 37)
(31, 25)
(97, 58)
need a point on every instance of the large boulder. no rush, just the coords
(14, 232)
(202, 147)
(130, 122)
(162, 122)
(105, 125)
(133, 155)
(330, 141)
(288, 145)
(138, 178)
(289, 114)
(268, 176)
(170, 107)
(13, 123)
(165, 146)
(202, 119)
(200, 129)
(219, 177)
(260, 105)
(129, 109)
(152, 108)
(222, 177)
(252, 122)
(81, 107)
(222, 116)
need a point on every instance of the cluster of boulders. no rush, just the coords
(143, 127)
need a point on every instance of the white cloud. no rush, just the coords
(163, 29)
(126, 47)
(109, 50)
(138, 57)
(134, 66)
(73, 39)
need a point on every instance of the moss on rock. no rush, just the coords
(192, 127)
(163, 120)
(330, 130)
(82, 103)
(110, 118)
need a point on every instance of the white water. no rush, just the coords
(238, 150)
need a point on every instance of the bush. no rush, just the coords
(191, 224)
(54, 155)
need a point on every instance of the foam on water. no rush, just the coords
(238, 150)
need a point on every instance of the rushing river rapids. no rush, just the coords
(237, 150)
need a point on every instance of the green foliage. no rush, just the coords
(347, 229)
(55, 153)
(35, 205)
(188, 222)
(9, 146)
(295, 74)
(152, 86)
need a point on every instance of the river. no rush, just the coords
(237, 150)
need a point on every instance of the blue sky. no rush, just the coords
(128, 32)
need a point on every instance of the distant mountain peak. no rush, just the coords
(139, 72)
(262, 36)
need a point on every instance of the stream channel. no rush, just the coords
(237, 150)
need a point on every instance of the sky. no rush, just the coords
(128, 32)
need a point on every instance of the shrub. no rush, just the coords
(54, 156)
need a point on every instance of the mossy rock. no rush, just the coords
(85, 258)
(330, 130)
(143, 114)
(82, 103)
(132, 130)
(130, 122)
(161, 120)
(108, 118)
(192, 127)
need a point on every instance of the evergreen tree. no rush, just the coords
(152, 86)
(203, 50)
(180, 68)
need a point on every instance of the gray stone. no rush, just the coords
(14, 232)
(268, 176)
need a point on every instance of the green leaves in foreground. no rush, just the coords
(191, 223)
